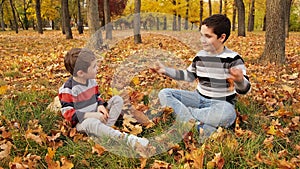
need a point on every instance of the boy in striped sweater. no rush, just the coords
(221, 74)
(82, 104)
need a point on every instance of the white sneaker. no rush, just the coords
(132, 140)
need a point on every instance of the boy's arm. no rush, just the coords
(176, 74)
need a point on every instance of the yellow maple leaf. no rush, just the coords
(3, 89)
(272, 130)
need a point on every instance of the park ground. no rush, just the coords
(266, 134)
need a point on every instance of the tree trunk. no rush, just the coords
(25, 19)
(165, 23)
(157, 23)
(221, 6)
(233, 16)
(186, 22)
(137, 22)
(80, 22)
(275, 32)
(287, 17)
(241, 17)
(62, 18)
(251, 17)
(174, 17)
(209, 7)
(14, 15)
(66, 17)
(201, 14)
(179, 23)
(38, 16)
(96, 39)
(108, 24)
(2, 16)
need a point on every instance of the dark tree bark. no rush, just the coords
(108, 24)
(2, 16)
(137, 22)
(14, 15)
(179, 23)
(66, 18)
(275, 32)
(25, 19)
(241, 17)
(233, 16)
(287, 17)
(165, 23)
(221, 6)
(209, 8)
(80, 22)
(251, 16)
(157, 23)
(201, 14)
(38, 16)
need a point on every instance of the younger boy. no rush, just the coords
(81, 102)
(221, 74)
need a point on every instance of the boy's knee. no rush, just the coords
(118, 99)
(163, 92)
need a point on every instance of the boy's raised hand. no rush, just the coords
(236, 75)
(159, 68)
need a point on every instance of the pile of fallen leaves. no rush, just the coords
(35, 62)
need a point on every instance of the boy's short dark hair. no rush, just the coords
(78, 59)
(219, 23)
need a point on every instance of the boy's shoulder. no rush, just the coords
(227, 53)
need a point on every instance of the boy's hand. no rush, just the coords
(236, 75)
(96, 115)
(159, 68)
(103, 110)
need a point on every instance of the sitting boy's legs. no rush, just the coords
(94, 127)
(115, 105)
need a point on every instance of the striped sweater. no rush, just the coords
(77, 99)
(212, 72)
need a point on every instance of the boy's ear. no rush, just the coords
(222, 37)
(80, 73)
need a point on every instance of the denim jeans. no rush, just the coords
(188, 105)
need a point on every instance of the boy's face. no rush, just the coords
(92, 70)
(210, 41)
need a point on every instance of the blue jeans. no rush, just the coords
(188, 105)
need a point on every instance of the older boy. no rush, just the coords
(221, 74)
(81, 102)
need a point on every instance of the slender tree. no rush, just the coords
(14, 15)
(209, 8)
(275, 32)
(241, 17)
(38, 16)
(79, 22)
(174, 16)
(287, 17)
(221, 6)
(66, 18)
(233, 15)
(251, 16)
(186, 23)
(201, 14)
(2, 15)
(108, 24)
(137, 22)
